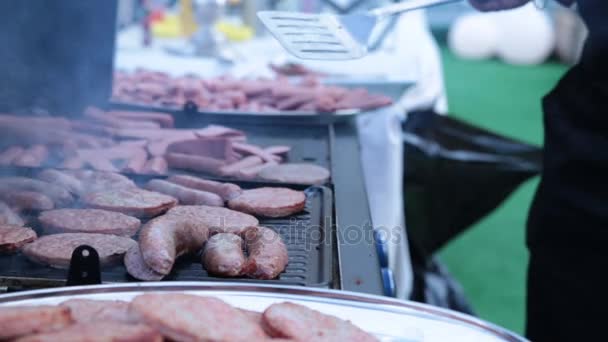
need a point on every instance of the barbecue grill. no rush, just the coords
(345, 258)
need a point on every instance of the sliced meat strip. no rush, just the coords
(156, 166)
(12, 237)
(27, 200)
(137, 267)
(56, 250)
(279, 150)
(297, 173)
(164, 119)
(8, 156)
(223, 255)
(165, 238)
(297, 322)
(269, 202)
(32, 157)
(189, 318)
(92, 311)
(58, 194)
(133, 201)
(16, 321)
(234, 168)
(226, 190)
(88, 221)
(8, 216)
(267, 253)
(219, 220)
(256, 151)
(252, 172)
(63, 179)
(185, 195)
(194, 163)
(99, 332)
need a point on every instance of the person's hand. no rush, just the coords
(497, 5)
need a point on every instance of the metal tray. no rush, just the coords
(394, 90)
(388, 319)
(309, 237)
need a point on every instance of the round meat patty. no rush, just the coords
(56, 250)
(88, 221)
(14, 237)
(218, 219)
(295, 173)
(132, 201)
(269, 202)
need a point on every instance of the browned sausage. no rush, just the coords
(194, 163)
(185, 195)
(227, 191)
(223, 255)
(165, 238)
(267, 253)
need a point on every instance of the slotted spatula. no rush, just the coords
(329, 36)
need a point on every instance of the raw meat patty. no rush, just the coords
(185, 318)
(88, 221)
(300, 323)
(56, 250)
(131, 201)
(91, 311)
(17, 321)
(269, 202)
(295, 173)
(99, 332)
(14, 237)
(219, 220)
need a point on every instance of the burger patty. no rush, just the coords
(131, 201)
(56, 250)
(14, 237)
(269, 202)
(295, 173)
(88, 221)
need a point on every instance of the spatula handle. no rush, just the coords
(407, 5)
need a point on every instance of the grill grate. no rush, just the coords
(308, 237)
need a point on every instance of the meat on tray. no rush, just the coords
(88, 221)
(267, 253)
(91, 311)
(12, 237)
(182, 317)
(175, 317)
(56, 250)
(16, 322)
(131, 201)
(99, 331)
(165, 238)
(269, 202)
(225, 93)
(223, 255)
(184, 194)
(300, 323)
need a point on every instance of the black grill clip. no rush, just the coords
(84, 267)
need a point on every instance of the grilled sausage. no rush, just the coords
(194, 163)
(226, 190)
(185, 195)
(267, 253)
(223, 255)
(165, 238)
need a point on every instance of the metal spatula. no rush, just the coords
(333, 37)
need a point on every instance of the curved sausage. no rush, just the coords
(223, 255)
(137, 268)
(227, 191)
(267, 253)
(165, 238)
(185, 195)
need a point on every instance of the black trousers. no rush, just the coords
(568, 224)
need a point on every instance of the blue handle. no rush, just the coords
(389, 282)
(381, 249)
